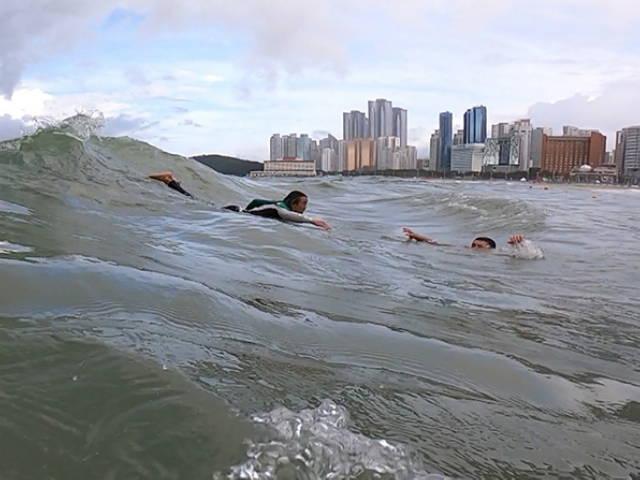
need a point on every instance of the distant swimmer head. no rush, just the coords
(296, 201)
(483, 243)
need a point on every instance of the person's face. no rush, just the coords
(300, 205)
(480, 245)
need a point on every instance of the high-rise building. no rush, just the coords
(571, 131)
(500, 130)
(354, 125)
(315, 154)
(631, 150)
(400, 125)
(329, 161)
(503, 152)
(446, 139)
(405, 158)
(290, 145)
(329, 142)
(385, 148)
(458, 138)
(391, 155)
(360, 154)
(475, 125)
(380, 118)
(467, 157)
(537, 136)
(434, 151)
(523, 129)
(303, 147)
(276, 150)
(562, 154)
(342, 155)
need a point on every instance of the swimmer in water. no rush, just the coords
(170, 181)
(290, 209)
(478, 243)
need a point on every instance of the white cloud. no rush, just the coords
(301, 64)
(609, 111)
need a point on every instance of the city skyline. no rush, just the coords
(212, 78)
(507, 147)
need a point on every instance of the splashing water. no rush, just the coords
(525, 250)
(316, 444)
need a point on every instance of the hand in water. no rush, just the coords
(318, 222)
(515, 240)
(411, 235)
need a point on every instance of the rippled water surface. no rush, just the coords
(147, 335)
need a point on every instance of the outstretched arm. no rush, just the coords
(300, 218)
(411, 235)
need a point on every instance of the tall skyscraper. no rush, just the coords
(400, 125)
(290, 145)
(303, 147)
(475, 125)
(523, 129)
(276, 150)
(354, 125)
(631, 150)
(434, 151)
(380, 118)
(446, 140)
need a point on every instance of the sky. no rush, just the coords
(214, 76)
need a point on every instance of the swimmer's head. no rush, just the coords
(483, 243)
(296, 201)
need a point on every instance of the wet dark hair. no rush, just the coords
(490, 241)
(290, 199)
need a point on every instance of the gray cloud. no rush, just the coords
(282, 37)
(32, 29)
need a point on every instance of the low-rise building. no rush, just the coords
(287, 168)
(560, 155)
(467, 158)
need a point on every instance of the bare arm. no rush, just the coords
(411, 235)
(300, 218)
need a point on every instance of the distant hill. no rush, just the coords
(228, 165)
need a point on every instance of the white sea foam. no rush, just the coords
(526, 250)
(317, 444)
